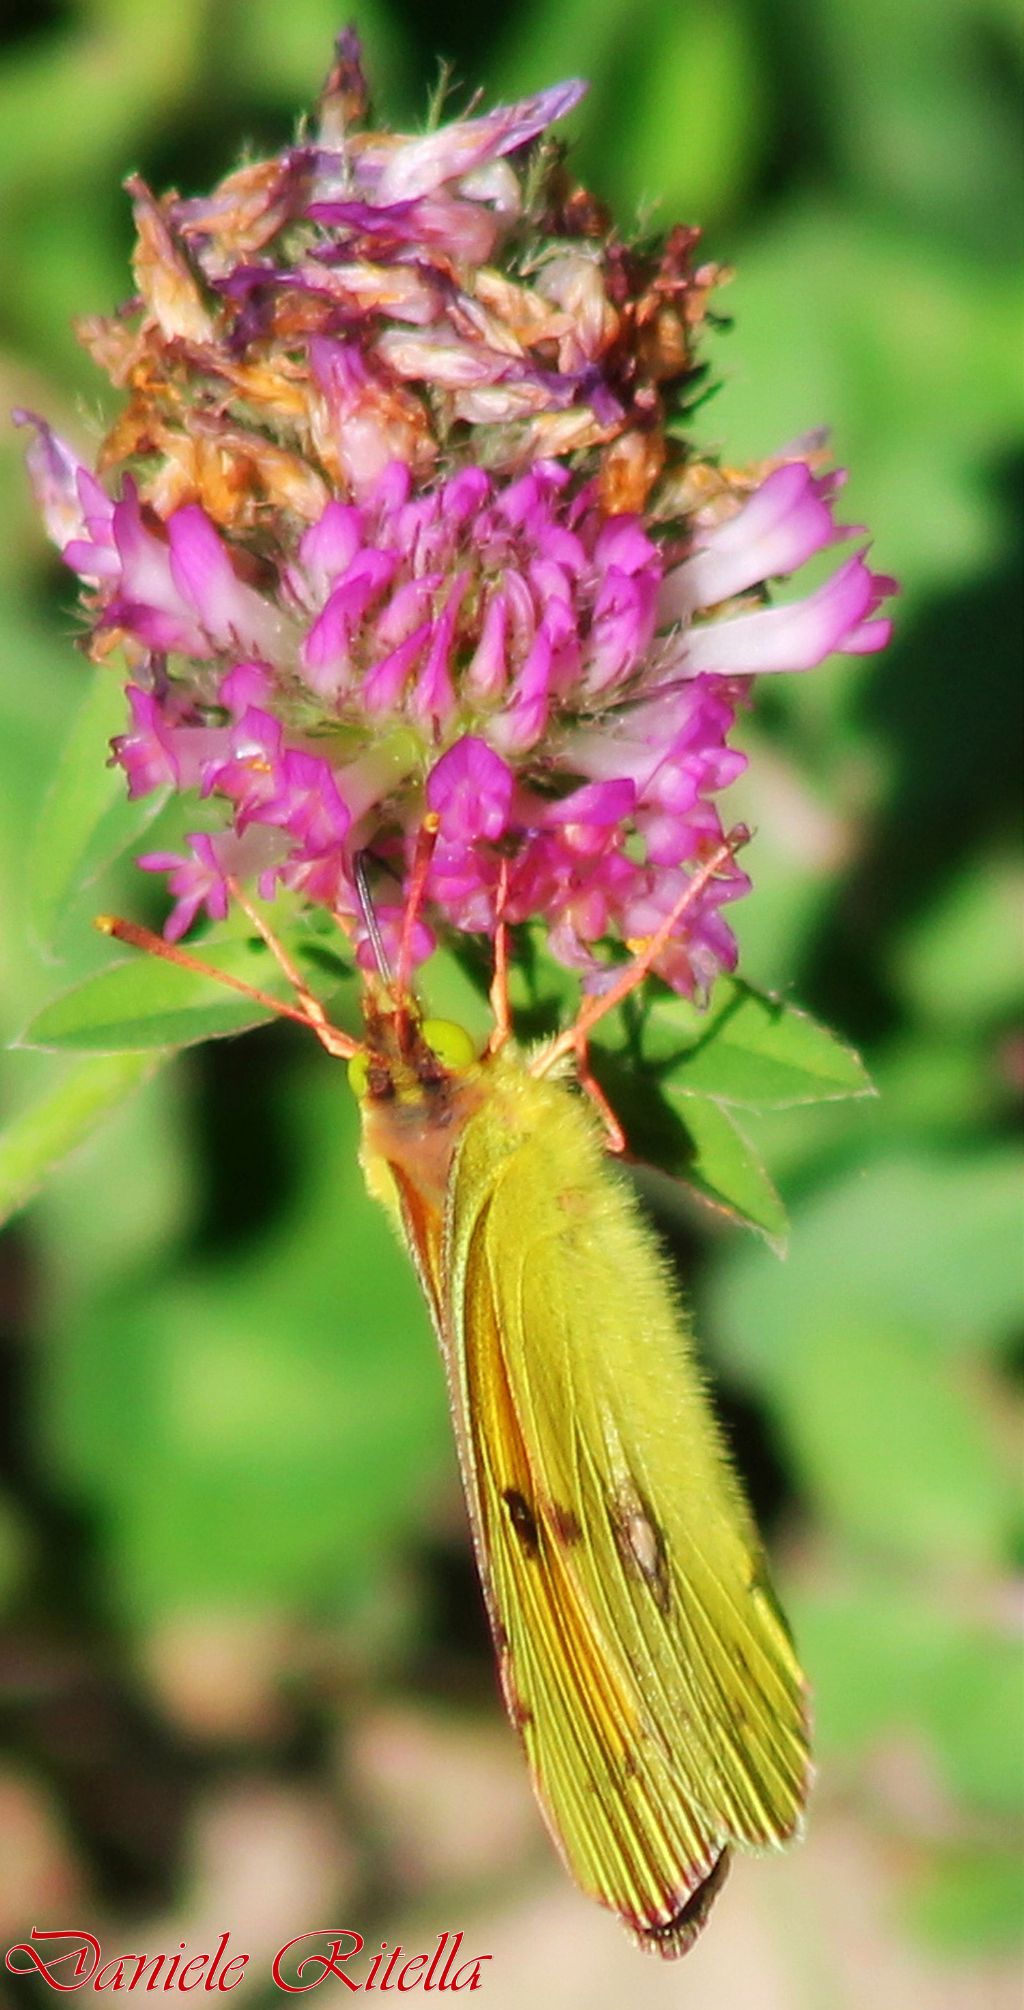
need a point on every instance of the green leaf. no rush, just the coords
(146, 1003)
(917, 124)
(149, 55)
(41, 1136)
(973, 1710)
(855, 1347)
(884, 330)
(726, 1169)
(285, 51)
(693, 1140)
(751, 1050)
(893, 1632)
(87, 819)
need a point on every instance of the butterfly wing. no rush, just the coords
(643, 1658)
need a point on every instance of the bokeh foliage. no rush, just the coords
(222, 1391)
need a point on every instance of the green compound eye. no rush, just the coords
(449, 1042)
(359, 1074)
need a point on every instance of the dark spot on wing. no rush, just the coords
(523, 1519)
(641, 1543)
(565, 1525)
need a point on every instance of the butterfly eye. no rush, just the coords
(359, 1074)
(449, 1042)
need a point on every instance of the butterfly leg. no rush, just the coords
(498, 994)
(615, 1136)
(426, 839)
(599, 1004)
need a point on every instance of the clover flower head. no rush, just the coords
(393, 522)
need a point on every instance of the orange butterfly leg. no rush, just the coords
(498, 995)
(426, 840)
(595, 1008)
(615, 1136)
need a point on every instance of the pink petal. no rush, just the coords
(54, 471)
(782, 525)
(470, 788)
(330, 545)
(231, 614)
(797, 637)
(383, 686)
(420, 164)
(487, 670)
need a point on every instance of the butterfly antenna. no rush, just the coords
(309, 1013)
(308, 1001)
(369, 917)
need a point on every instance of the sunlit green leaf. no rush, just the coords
(899, 86)
(885, 328)
(699, 69)
(144, 1002)
(287, 1404)
(973, 1710)
(41, 1136)
(291, 46)
(928, 1670)
(86, 817)
(726, 1169)
(750, 1050)
(116, 77)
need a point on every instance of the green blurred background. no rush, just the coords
(244, 1678)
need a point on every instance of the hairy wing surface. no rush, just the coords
(643, 1656)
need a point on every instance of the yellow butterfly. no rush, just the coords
(643, 1659)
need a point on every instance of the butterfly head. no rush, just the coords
(407, 1058)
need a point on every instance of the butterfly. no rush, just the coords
(642, 1656)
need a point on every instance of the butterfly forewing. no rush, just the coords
(643, 1658)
